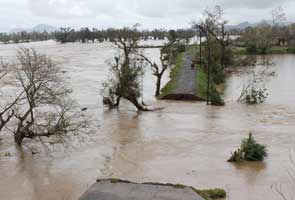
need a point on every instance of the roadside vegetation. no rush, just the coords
(88, 35)
(174, 75)
(211, 194)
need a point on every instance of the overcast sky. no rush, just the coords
(118, 13)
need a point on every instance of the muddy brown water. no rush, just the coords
(186, 143)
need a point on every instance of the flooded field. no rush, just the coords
(186, 143)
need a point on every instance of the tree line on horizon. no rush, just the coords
(87, 35)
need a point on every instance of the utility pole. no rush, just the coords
(200, 35)
(208, 73)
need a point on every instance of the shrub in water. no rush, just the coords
(250, 150)
(216, 99)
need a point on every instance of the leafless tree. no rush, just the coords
(43, 108)
(278, 16)
(3, 69)
(158, 71)
(7, 111)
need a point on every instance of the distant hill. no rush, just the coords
(45, 27)
(37, 28)
(240, 26)
(244, 25)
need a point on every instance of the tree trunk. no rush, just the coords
(158, 85)
(19, 137)
(2, 126)
(137, 104)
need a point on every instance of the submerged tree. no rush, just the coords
(6, 112)
(254, 90)
(249, 150)
(65, 35)
(43, 107)
(126, 71)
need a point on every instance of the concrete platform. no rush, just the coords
(125, 190)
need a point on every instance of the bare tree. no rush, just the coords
(43, 108)
(158, 71)
(278, 16)
(7, 111)
(3, 69)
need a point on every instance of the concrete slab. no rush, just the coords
(125, 190)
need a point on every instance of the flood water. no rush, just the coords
(185, 142)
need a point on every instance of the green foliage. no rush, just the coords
(180, 48)
(170, 86)
(218, 74)
(215, 97)
(211, 194)
(65, 35)
(124, 81)
(251, 49)
(172, 36)
(229, 57)
(179, 186)
(250, 150)
(291, 50)
(202, 82)
(258, 39)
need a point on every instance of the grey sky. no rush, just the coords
(118, 13)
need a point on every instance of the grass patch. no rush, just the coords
(278, 50)
(201, 82)
(174, 73)
(179, 186)
(211, 194)
(194, 50)
(273, 50)
(239, 50)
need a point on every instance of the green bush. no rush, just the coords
(180, 48)
(216, 99)
(250, 150)
(251, 49)
(291, 50)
